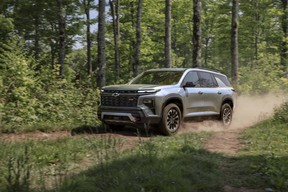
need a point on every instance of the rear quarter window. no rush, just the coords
(222, 81)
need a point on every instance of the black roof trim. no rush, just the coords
(209, 69)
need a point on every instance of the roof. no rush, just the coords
(184, 69)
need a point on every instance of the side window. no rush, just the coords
(191, 77)
(206, 80)
(219, 82)
(223, 80)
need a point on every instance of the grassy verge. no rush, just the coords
(268, 143)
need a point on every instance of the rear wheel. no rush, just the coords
(171, 120)
(226, 115)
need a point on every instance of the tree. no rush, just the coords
(115, 6)
(6, 28)
(234, 41)
(168, 33)
(62, 16)
(101, 68)
(138, 38)
(196, 33)
(284, 44)
(87, 4)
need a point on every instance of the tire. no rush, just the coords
(226, 115)
(171, 120)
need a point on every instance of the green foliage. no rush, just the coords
(41, 100)
(281, 114)
(6, 27)
(261, 76)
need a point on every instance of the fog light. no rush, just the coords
(149, 103)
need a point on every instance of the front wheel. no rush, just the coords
(171, 120)
(226, 115)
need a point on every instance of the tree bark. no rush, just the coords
(284, 48)
(168, 34)
(36, 40)
(234, 42)
(101, 68)
(114, 6)
(196, 60)
(87, 7)
(138, 39)
(62, 33)
(132, 38)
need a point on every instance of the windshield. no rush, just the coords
(158, 78)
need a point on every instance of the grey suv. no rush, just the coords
(162, 98)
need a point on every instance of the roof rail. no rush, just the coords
(214, 70)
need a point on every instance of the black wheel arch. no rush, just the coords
(228, 101)
(176, 101)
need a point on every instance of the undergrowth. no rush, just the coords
(34, 97)
(269, 141)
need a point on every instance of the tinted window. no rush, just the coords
(192, 77)
(222, 80)
(158, 78)
(206, 80)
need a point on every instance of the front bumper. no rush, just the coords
(135, 116)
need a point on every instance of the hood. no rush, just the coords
(130, 87)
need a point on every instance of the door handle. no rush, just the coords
(200, 92)
(219, 93)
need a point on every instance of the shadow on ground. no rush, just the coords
(185, 169)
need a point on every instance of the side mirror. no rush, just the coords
(189, 84)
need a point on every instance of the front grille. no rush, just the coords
(119, 101)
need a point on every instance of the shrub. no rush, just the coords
(33, 98)
(281, 114)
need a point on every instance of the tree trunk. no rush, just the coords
(206, 51)
(36, 40)
(257, 33)
(132, 38)
(284, 49)
(62, 39)
(114, 6)
(138, 39)
(87, 7)
(196, 60)
(168, 34)
(101, 68)
(234, 42)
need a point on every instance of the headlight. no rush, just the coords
(149, 91)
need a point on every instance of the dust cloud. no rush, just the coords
(249, 110)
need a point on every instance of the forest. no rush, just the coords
(56, 55)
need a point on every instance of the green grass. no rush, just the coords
(178, 163)
(268, 143)
(161, 164)
(45, 163)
